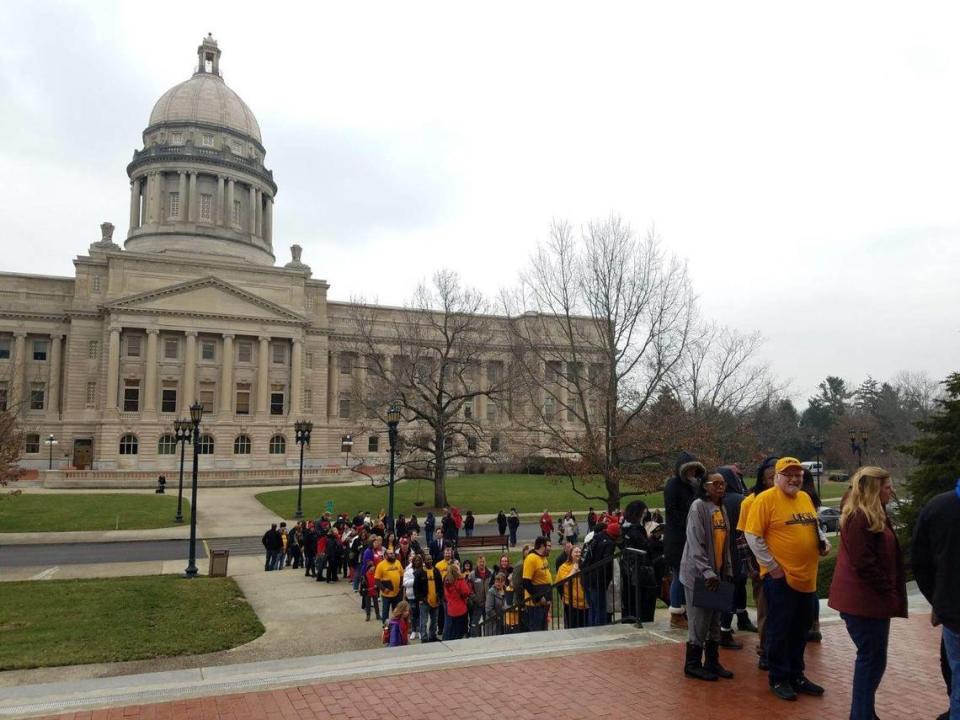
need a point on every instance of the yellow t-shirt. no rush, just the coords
(719, 536)
(392, 572)
(789, 526)
(573, 590)
(442, 566)
(431, 589)
(745, 506)
(537, 570)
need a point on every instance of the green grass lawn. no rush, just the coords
(481, 493)
(63, 513)
(69, 622)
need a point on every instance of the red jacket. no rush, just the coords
(869, 578)
(456, 594)
(546, 524)
(371, 584)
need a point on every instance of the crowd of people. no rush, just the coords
(717, 537)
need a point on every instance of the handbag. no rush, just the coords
(720, 599)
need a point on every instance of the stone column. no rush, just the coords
(182, 189)
(259, 207)
(360, 378)
(156, 189)
(19, 370)
(218, 212)
(190, 370)
(226, 375)
(268, 221)
(135, 203)
(53, 380)
(296, 378)
(333, 383)
(481, 385)
(113, 368)
(192, 207)
(252, 215)
(150, 372)
(231, 189)
(263, 375)
(147, 217)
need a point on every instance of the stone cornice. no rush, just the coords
(27, 315)
(195, 156)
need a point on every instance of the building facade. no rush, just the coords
(192, 308)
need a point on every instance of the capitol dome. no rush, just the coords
(205, 98)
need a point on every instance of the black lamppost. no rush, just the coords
(817, 444)
(196, 414)
(303, 429)
(51, 441)
(182, 432)
(858, 444)
(393, 419)
(346, 445)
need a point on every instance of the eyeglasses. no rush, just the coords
(718, 483)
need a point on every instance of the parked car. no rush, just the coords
(838, 475)
(814, 467)
(829, 518)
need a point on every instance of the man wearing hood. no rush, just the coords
(678, 495)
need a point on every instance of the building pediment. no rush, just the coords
(208, 297)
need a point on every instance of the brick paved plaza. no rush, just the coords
(635, 683)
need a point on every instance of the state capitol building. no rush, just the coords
(193, 307)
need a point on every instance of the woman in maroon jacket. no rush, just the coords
(868, 585)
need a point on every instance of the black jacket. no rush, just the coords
(272, 540)
(420, 583)
(513, 521)
(935, 556)
(601, 547)
(502, 523)
(678, 496)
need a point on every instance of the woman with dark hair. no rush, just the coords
(707, 558)
(765, 474)
(639, 579)
(869, 585)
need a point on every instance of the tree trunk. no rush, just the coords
(439, 473)
(613, 493)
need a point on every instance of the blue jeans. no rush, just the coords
(455, 628)
(428, 615)
(951, 641)
(513, 536)
(596, 605)
(470, 532)
(389, 603)
(273, 560)
(677, 596)
(789, 616)
(536, 618)
(871, 637)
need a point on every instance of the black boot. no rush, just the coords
(693, 667)
(712, 664)
(727, 641)
(743, 622)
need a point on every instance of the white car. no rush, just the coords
(814, 467)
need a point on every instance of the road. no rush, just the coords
(148, 550)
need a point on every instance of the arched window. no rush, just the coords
(241, 446)
(278, 445)
(129, 444)
(205, 445)
(167, 445)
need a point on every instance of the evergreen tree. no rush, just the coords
(937, 452)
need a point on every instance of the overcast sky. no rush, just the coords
(804, 159)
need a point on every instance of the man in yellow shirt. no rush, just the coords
(537, 584)
(785, 536)
(389, 578)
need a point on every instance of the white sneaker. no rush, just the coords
(413, 636)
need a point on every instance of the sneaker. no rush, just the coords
(803, 685)
(784, 691)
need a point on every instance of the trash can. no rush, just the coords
(218, 563)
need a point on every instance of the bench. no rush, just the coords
(481, 541)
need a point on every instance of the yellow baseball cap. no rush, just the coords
(787, 462)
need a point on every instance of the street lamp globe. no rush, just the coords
(196, 413)
(393, 414)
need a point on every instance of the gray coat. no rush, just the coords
(699, 556)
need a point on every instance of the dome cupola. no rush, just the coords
(199, 185)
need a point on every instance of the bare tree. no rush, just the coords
(11, 445)
(429, 358)
(601, 321)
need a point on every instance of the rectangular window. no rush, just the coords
(308, 360)
(207, 396)
(472, 443)
(491, 411)
(93, 350)
(308, 399)
(346, 363)
(549, 408)
(3, 395)
(468, 409)
(243, 399)
(131, 396)
(236, 212)
(4, 348)
(171, 348)
(91, 399)
(206, 203)
(279, 352)
(39, 349)
(133, 346)
(553, 370)
(308, 302)
(168, 397)
(344, 406)
(174, 204)
(276, 400)
(31, 443)
(38, 392)
(208, 139)
(176, 138)
(244, 351)
(97, 283)
(573, 410)
(208, 350)
(373, 444)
